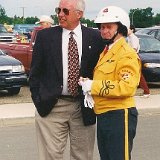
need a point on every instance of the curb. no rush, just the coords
(24, 113)
(9, 122)
(17, 114)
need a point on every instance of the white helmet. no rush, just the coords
(113, 14)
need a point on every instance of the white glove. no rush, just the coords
(86, 85)
(88, 101)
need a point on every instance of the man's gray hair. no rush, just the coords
(80, 5)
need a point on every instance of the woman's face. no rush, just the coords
(108, 30)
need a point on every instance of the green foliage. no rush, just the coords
(142, 18)
(2, 11)
(156, 19)
(55, 18)
(88, 22)
(3, 16)
(17, 20)
(31, 20)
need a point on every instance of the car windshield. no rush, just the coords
(24, 28)
(3, 29)
(149, 45)
(143, 31)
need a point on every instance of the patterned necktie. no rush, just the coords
(73, 66)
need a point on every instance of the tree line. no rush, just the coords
(141, 18)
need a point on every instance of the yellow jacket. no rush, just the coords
(116, 77)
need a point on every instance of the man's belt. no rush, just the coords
(69, 97)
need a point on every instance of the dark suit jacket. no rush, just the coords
(46, 74)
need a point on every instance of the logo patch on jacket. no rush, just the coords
(106, 86)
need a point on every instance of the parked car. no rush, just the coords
(24, 28)
(5, 36)
(22, 51)
(150, 56)
(12, 74)
(153, 31)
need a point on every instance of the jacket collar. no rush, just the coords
(112, 52)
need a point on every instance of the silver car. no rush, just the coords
(153, 31)
(12, 74)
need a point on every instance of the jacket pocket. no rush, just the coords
(107, 68)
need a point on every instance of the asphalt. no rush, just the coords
(23, 113)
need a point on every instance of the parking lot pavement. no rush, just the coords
(23, 113)
(148, 103)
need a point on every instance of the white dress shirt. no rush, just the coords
(65, 40)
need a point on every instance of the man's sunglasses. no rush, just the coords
(64, 10)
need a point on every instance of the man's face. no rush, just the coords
(68, 15)
(45, 24)
(108, 30)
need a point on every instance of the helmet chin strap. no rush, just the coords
(107, 42)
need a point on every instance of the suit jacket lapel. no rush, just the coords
(85, 45)
(84, 40)
(57, 51)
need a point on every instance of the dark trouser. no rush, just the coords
(115, 133)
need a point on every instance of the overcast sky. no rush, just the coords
(40, 7)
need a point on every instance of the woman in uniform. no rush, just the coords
(116, 77)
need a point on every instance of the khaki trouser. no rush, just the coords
(52, 133)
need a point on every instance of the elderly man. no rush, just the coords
(61, 55)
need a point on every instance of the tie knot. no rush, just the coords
(71, 33)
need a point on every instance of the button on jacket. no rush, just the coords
(116, 77)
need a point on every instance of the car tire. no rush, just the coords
(13, 91)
